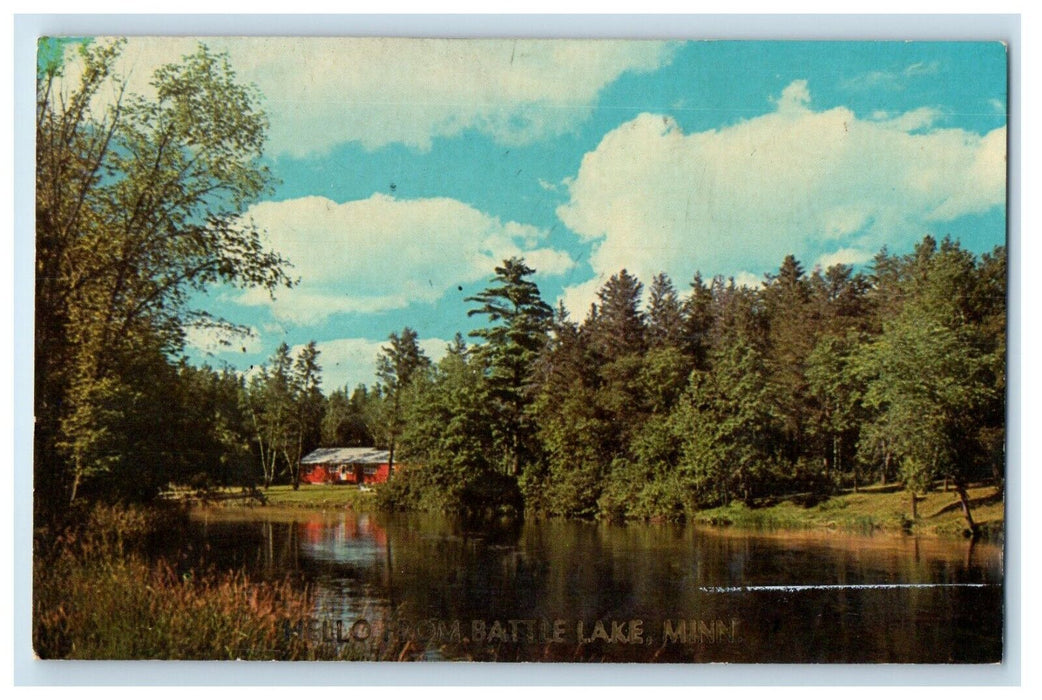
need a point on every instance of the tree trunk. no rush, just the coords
(294, 470)
(964, 501)
(75, 484)
(915, 506)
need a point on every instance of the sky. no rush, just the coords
(408, 169)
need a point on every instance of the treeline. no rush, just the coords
(660, 406)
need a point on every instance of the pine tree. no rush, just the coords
(396, 367)
(665, 314)
(519, 321)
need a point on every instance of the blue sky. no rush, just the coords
(408, 169)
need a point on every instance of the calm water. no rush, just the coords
(521, 591)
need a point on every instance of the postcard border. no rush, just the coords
(29, 671)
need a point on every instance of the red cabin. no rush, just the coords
(345, 465)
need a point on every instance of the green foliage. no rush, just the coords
(139, 206)
(731, 437)
(286, 409)
(932, 373)
(399, 363)
(519, 321)
(346, 421)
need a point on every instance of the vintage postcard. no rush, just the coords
(394, 349)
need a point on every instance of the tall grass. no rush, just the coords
(96, 596)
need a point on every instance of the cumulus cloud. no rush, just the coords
(652, 198)
(384, 253)
(348, 362)
(323, 91)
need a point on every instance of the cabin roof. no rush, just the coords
(346, 455)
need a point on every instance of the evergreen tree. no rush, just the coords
(791, 338)
(518, 324)
(305, 423)
(731, 438)
(396, 366)
(665, 314)
(617, 326)
(346, 420)
(448, 434)
(698, 322)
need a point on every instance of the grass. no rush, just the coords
(871, 509)
(95, 596)
(877, 508)
(283, 496)
(322, 496)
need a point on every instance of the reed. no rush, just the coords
(95, 596)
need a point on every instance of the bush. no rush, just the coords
(429, 488)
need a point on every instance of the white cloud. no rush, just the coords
(578, 298)
(383, 253)
(890, 79)
(920, 118)
(651, 198)
(348, 362)
(323, 91)
(844, 256)
(748, 279)
(794, 98)
(214, 340)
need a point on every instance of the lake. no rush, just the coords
(562, 590)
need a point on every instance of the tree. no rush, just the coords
(139, 204)
(665, 314)
(730, 436)
(793, 331)
(346, 421)
(835, 393)
(269, 403)
(570, 429)
(617, 329)
(447, 430)
(396, 366)
(307, 404)
(698, 321)
(933, 374)
(519, 321)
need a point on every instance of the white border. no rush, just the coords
(28, 671)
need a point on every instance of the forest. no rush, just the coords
(657, 403)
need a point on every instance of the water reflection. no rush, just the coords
(420, 569)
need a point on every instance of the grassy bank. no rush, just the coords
(876, 508)
(308, 496)
(871, 509)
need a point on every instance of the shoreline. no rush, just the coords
(872, 510)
